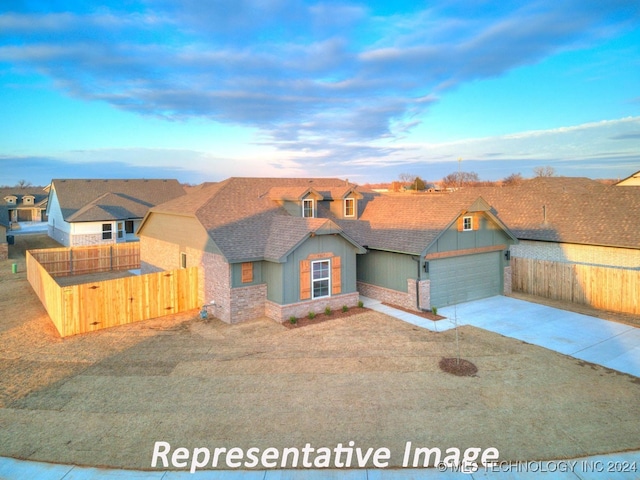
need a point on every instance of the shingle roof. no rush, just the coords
(405, 224)
(564, 209)
(40, 196)
(83, 200)
(240, 216)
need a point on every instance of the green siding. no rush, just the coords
(387, 269)
(334, 244)
(488, 234)
(236, 275)
(273, 276)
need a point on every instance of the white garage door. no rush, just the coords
(462, 279)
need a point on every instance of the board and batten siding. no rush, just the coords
(387, 269)
(487, 234)
(333, 246)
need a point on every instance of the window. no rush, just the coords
(467, 223)
(307, 208)
(320, 278)
(349, 207)
(128, 226)
(247, 272)
(106, 231)
(120, 230)
(183, 260)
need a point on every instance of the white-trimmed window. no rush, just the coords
(349, 207)
(106, 231)
(467, 224)
(307, 208)
(320, 278)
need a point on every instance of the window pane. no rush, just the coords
(320, 288)
(128, 226)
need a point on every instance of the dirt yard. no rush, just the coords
(104, 398)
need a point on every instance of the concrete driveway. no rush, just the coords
(610, 344)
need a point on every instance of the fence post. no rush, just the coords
(111, 257)
(70, 261)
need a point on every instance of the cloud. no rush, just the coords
(295, 71)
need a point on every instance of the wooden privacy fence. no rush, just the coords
(60, 262)
(93, 306)
(605, 288)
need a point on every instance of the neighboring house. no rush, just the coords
(572, 220)
(630, 181)
(284, 247)
(27, 204)
(103, 211)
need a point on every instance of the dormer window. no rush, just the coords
(467, 224)
(349, 207)
(307, 208)
(28, 199)
(10, 199)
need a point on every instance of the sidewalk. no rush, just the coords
(617, 466)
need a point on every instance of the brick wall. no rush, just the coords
(247, 303)
(507, 281)
(58, 235)
(157, 255)
(81, 240)
(4, 251)
(386, 295)
(282, 313)
(574, 253)
(217, 283)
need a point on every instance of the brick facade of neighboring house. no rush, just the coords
(580, 254)
(4, 251)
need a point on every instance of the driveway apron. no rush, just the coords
(603, 342)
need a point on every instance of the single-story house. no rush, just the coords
(27, 204)
(569, 220)
(285, 247)
(103, 211)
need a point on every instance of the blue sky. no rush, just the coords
(201, 91)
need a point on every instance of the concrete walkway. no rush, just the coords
(618, 466)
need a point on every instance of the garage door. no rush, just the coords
(462, 279)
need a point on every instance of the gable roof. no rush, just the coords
(632, 180)
(90, 200)
(241, 217)
(565, 209)
(410, 224)
(38, 193)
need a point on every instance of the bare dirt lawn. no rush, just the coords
(104, 398)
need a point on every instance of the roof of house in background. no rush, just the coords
(567, 210)
(39, 194)
(632, 180)
(89, 200)
(242, 218)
